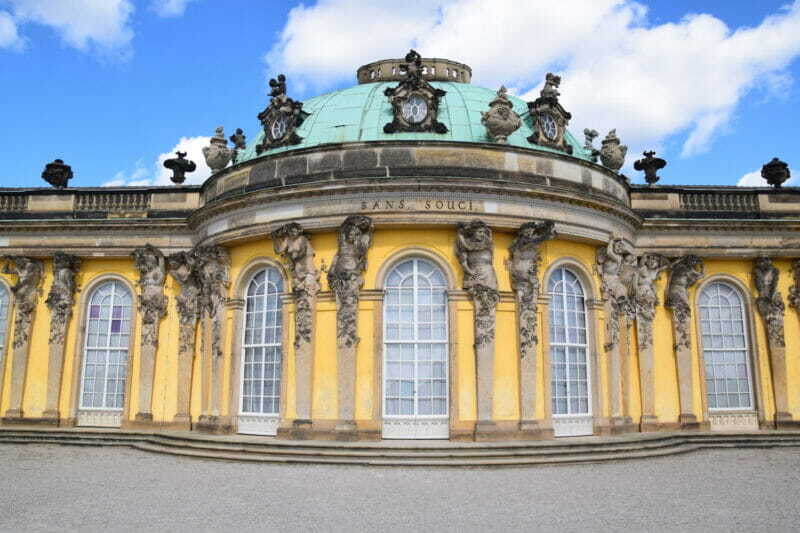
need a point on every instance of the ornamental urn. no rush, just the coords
(775, 172)
(501, 120)
(612, 154)
(217, 153)
(179, 166)
(650, 165)
(57, 174)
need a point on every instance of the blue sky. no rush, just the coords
(111, 85)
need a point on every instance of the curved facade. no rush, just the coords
(361, 281)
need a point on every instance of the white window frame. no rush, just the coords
(416, 426)
(105, 416)
(707, 350)
(259, 423)
(570, 424)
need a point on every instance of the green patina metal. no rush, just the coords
(358, 114)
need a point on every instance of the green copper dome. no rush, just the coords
(358, 114)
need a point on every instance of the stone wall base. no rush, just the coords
(213, 425)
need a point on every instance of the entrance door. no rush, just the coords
(415, 352)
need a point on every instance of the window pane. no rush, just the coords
(415, 340)
(725, 348)
(568, 344)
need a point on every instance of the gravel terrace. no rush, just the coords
(49, 488)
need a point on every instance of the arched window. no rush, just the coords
(569, 365)
(415, 373)
(105, 355)
(4, 300)
(262, 353)
(725, 348)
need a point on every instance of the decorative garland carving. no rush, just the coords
(686, 271)
(474, 249)
(294, 245)
(769, 302)
(26, 292)
(61, 297)
(213, 269)
(415, 101)
(794, 290)
(523, 268)
(346, 274)
(150, 263)
(617, 266)
(281, 118)
(183, 268)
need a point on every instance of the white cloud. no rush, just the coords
(619, 70)
(170, 8)
(9, 37)
(754, 179)
(100, 25)
(158, 175)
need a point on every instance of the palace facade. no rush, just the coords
(413, 257)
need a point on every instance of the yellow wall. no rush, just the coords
(388, 244)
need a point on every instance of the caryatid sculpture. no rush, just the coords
(60, 301)
(618, 267)
(649, 269)
(474, 250)
(769, 302)
(345, 275)
(183, 268)
(26, 292)
(61, 297)
(794, 290)
(294, 245)
(686, 271)
(213, 273)
(523, 267)
(152, 267)
(345, 279)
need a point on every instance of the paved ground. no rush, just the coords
(45, 487)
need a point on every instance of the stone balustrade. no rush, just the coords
(727, 202)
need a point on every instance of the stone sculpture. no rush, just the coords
(183, 268)
(26, 292)
(794, 290)
(550, 119)
(523, 268)
(281, 118)
(294, 245)
(217, 153)
(151, 264)
(650, 165)
(415, 102)
(345, 276)
(180, 166)
(588, 143)
(769, 302)
(501, 120)
(239, 141)
(612, 153)
(776, 172)
(649, 269)
(686, 271)
(213, 273)
(57, 174)
(61, 297)
(618, 268)
(474, 250)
